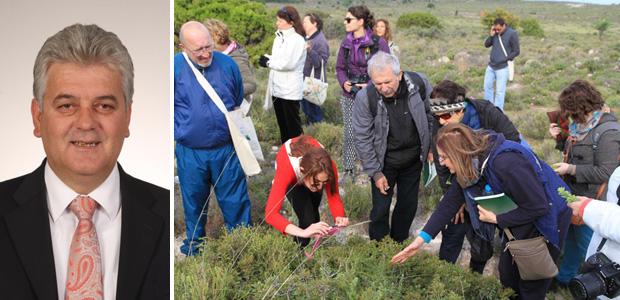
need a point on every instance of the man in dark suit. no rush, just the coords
(79, 226)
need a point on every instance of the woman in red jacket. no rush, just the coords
(303, 170)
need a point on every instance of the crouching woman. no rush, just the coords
(484, 162)
(303, 170)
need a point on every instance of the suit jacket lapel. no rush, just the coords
(29, 229)
(140, 232)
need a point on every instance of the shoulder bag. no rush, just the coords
(246, 156)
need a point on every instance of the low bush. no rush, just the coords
(488, 17)
(333, 28)
(533, 124)
(258, 263)
(249, 22)
(357, 201)
(531, 27)
(258, 188)
(419, 20)
(329, 135)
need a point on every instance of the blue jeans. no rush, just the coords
(312, 111)
(575, 248)
(198, 170)
(500, 78)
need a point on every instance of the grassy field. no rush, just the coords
(571, 49)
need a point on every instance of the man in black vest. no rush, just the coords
(392, 125)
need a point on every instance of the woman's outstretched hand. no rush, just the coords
(318, 228)
(409, 251)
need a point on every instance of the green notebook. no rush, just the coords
(498, 203)
(428, 173)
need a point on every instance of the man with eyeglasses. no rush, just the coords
(392, 125)
(204, 152)
(450, 105)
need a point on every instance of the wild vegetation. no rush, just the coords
(259, 264)
(559, 43)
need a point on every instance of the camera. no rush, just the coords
(358, 79)
(599, 276)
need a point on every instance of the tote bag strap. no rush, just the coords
(322, 72)
(207, 86)
(502, 44)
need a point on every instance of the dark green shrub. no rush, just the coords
(531, 27)
(591, 65)
(259, 187)
(419, 20)
(487, 18)
(357, 201)
(333, 28)
(249, 22)
(533, 125)
(601, 26)
(258, 262)
(329, 135)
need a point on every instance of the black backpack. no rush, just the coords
(373, 95)
(370, 51)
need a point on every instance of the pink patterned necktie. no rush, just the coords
(84, 276)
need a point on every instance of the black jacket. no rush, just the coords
(26, 257)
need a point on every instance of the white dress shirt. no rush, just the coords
(107, 220)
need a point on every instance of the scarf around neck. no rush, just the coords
(578, 131)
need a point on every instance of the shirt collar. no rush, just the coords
(59, 195)
(286, 32)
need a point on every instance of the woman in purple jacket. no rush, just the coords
(355, 50)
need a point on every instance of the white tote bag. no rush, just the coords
(246, 127)
(315, 90)
(240, 141)
(511, 63)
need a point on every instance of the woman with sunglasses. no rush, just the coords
(485, 161)
(450, 105)
(303, 170)
(351, 71)
(286, 64)
(587, 164)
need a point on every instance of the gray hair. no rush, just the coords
(382, 60)
(84, 45)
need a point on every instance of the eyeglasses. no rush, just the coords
(317, 183)
(348, 20)
(442, 158)
(201, 50)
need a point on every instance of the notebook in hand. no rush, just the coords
(498, 203)
(428, 173)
